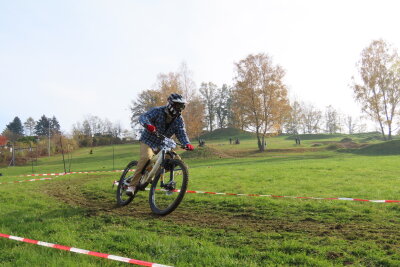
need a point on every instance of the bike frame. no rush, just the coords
(159, 159)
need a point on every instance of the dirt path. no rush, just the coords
(73, 192)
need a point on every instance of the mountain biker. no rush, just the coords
(166, 120)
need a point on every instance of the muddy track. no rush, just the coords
(73, 192)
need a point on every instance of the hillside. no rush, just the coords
(380, 149)
(314, 136)
(227, 133)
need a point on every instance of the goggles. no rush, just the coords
(179, 106)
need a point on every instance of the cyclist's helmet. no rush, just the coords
(176, 104)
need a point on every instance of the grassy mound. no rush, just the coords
(204, 152)
(227, 133)
(384, 148)
(314, 136)
(368, 137)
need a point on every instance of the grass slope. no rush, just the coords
(384, 148)
(314, 136)
(227, 133)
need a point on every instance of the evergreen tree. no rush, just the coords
(16, 127)
(55, 126)
(42, 126)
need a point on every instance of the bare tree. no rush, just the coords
(29, 125)
(116, 129)
(107, 128)
(222, 106)
(208, 93)
(294, 121)
(146, 100)
(332, 120)
(379, 89)
(351, 124)
(96, 124)
(311, 119)
(187, 83)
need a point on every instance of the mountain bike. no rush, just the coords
(167, 175)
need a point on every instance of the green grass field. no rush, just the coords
(215, 230)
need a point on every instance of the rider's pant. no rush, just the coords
(146, 153)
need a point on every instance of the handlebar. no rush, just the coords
(158, 134)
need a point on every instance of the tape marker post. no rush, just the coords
(83, 251)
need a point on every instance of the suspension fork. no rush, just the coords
(162, 168)
(171, 171)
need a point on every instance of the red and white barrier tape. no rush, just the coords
(316, 198)
(83, 251)
(247, 195)
(63, 173)
(31, 180)
(52, 174)
(259, 195)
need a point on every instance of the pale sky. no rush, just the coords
(79, 57)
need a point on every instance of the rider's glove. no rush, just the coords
(189, 147)
(151, 128)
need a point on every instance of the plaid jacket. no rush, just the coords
(157, 117)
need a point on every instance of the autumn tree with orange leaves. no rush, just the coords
(179, 82)
(262, 95)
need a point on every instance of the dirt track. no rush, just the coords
(73, 192)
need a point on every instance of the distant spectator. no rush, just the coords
(297, 139)
(230, 140)
(237, 142)
(202, 142)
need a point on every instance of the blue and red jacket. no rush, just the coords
(158, 117)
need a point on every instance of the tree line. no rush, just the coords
(258, 99)
(94, 131)
(32, 139)
(45, 126)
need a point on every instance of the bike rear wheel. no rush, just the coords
(126, 177)
(167, 191)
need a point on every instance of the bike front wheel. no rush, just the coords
(126, 177)
(168, 190)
